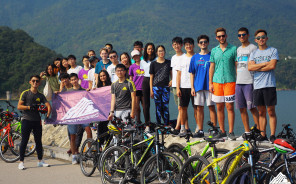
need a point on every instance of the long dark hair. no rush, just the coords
(53, 66)
(146, 56)
(107, 82)
(62, 68)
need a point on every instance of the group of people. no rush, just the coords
(216, 78)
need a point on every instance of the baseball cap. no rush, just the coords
(135, 52)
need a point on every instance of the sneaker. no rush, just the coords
(189, 132)
(42, 164)
(243, 136)
(261, 138)
(231, 136)
(21, 166)
(175, 132)
(221, 135)
(198, 134)
(182, 133)
(272, 138)
(74, 159)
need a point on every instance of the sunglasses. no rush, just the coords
(205, 42)
(221, 36)
(259, 37)
(37, 81)
(114, 56)
(241, 35)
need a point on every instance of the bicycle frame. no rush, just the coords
(7, 131)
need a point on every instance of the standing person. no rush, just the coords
(126, 61)
(103, 64)
(137, 75)
(57, 64)
(83, 73)
(177, 44)
(74, 67)
(244, 80)
(138, 45)
(222, 81)
(199, 77)
(183, 85)
(64, 66)
(123, 96)
(149, 56)
(32, 120)
(111, 69)
(263, 62)
(91, 74)
(51, 77)
(160, 72)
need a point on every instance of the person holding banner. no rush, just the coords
(123, 95)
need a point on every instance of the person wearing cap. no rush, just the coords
(91, 74)
(137, 75)
(83, 73)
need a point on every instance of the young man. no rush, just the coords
(123, 95)
(222, 81)
(199, 77)
(183, 85)
(28, 103)
(103, 64)
(83, 73)
(177, 44)
(138, 45)
(109, 47)
(65, 82)
(74, 67)
(91, 74)
(244, 80)
(263, 62)
(91, 53)
(111, 69)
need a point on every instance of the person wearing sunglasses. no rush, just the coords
(111, 69)
(263, 62)
(244, 80)
(32, 120)
(222, 81)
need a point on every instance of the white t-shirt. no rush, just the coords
(146, 67)
(74, 70)
(175, 60)
(91, 77)
(183, 66)
(112, 73)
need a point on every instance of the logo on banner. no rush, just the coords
(83, 108)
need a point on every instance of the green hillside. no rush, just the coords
(20, 58)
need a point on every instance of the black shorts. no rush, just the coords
(185, 97)
(265, 97)
(139, 93)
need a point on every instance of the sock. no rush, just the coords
(182, 127)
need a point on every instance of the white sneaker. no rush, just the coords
(74, 159)
(21, 166)
(42, 164)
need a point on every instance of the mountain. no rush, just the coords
(75, 26)
(20, 58)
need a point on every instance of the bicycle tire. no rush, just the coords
(111, 171)
(170, 163)
(14, 155)
(30, 149)
(88, 157)
(188, 171)
(177, 149)
(242, 175)
(281, 167)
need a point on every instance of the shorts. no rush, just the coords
(122, 114)
(203, 96)
(72, 129)
(244, 96)
(176, 98)
(265, 97)
(224, 92)
(185, 97)
(139, 93)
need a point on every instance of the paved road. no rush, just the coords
(60, 172)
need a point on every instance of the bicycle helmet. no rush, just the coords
(283, 146)
(42, 109)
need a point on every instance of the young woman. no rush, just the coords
(126, 61)
(57, 64)
(149, 56)
(64, 66)
(104, 79)
(51, 77)
(160, 72)
(137, 75)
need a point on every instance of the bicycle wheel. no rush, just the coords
(221, 164)
(31, 147)
(281, 167)
(169, 168)
(12, 152)
(177, 149)
(88, 157)
(262, 175)
(192, 167)
(114, 165)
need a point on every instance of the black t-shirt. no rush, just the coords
(30, 99)
(161, 72)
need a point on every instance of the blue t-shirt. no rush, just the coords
(264, 79)
(199, 66)
(100, 66)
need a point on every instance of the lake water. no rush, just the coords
(285, 110)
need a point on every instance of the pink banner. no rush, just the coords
(80, 107)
